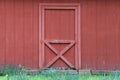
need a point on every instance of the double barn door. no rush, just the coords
(59, 36)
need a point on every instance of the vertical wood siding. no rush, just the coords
(10, 32)
(88, 37)
(19, 32)
(100, 34)
(19, 40)
(100, 25)
(28, 35)
(2, 32)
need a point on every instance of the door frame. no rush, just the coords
(76, 7)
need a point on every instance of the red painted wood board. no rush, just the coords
(10, 32)
(2, 33)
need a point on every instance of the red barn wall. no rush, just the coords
(19, 32)
(100, 25)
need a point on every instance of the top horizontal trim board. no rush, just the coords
(59, 6)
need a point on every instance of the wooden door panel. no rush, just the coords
(59, 37)
(58, 23)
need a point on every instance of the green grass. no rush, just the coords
(60, 77)
(13, 73)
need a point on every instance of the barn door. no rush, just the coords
(59, 35)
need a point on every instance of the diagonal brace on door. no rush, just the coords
(60, 54)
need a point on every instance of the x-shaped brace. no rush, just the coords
(59, 54)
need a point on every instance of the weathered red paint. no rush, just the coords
(99, 21)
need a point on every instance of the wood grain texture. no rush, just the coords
(2, 32)
(112, 24)
(101, 35)
(83, 31)
(88, 36)
(28, 33)
(105, 28)
(35, 34)
(19, 28)
(10, 32)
